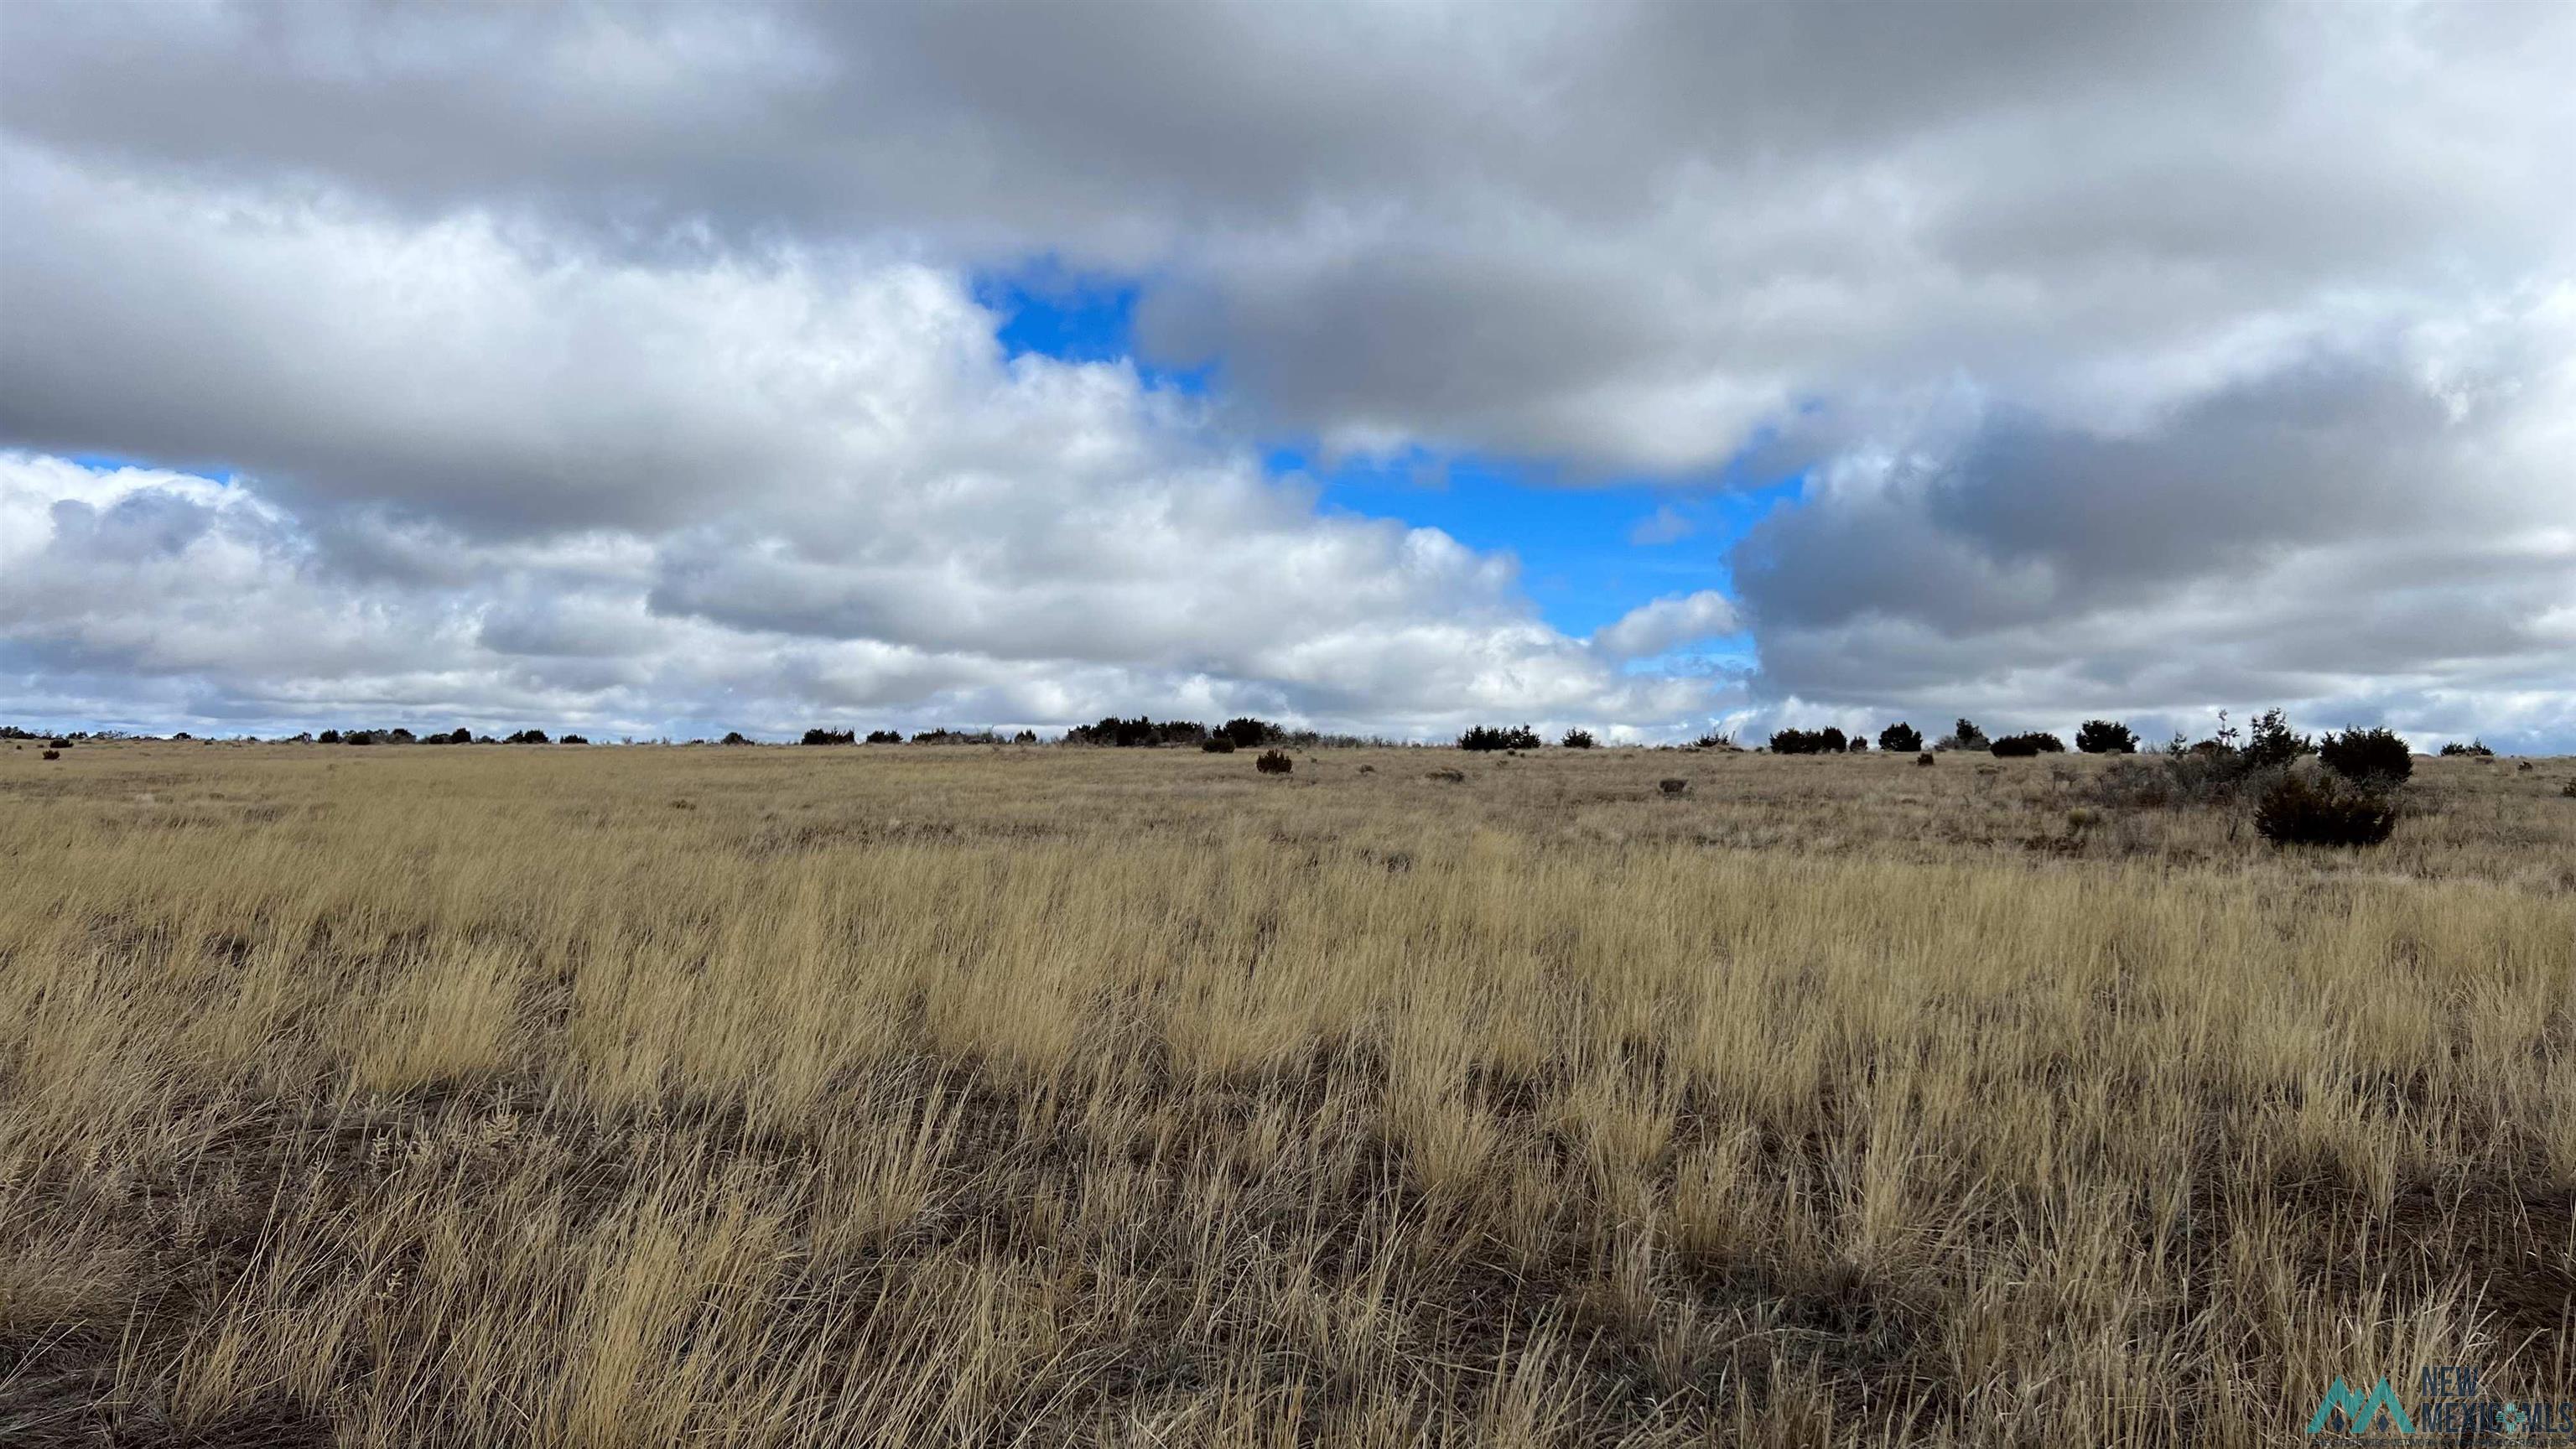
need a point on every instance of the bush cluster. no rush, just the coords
(1218, 744)
(2303, 808)
(830, 737)
(2105, 737)
(2474, 749)
(1492, 737)
(2023, 746)
(1245, 732)
(1578, 740)
(1137, 733)
(1274, 762)
(1826, 741)
(2374, 754)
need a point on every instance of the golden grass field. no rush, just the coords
(975, 1096)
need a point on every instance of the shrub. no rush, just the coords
(538, 737)
(1025, 737)
(830, 737)
(1274, 762)
(1963, 735)
(885, 737)
(2305, 809)
(573, 740)
(1826, 741)
(1137, 733)
(2024, 746)
(1673, 787)
(1578, 740)
(2376, 754)
(735, 737)
(1714, 741)
(1900, 738)
(1922, 757)
(2568, 789)
(327, 737)
(53, 754)
(1859, 745)
(1452, 777)
(2475, 749)
(1244, 732)
(1218, 744)
(1491, 737)
(2105, 737)
(2269, 742)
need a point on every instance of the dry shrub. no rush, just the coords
(2300, 808)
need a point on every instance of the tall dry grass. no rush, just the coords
(921, 1096)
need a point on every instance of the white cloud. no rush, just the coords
(1664, 525)
(2138, 356)
(1667, 623)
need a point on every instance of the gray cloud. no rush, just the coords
(2142, 355)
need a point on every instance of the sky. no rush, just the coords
(1384, 368)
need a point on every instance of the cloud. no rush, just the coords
(2361, 535)
(2133, 356)
(1667, 623)
(1664, 525)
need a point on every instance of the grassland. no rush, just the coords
(906, 1096)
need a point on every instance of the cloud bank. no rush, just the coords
(626, 368)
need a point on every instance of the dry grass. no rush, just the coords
(922, 1096)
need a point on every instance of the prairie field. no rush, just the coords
(1047, 1096)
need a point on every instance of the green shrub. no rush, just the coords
(1826, 741)
(2474, 749)
(1578, 740)
(2305, 809)
(2375, 754)
(1245, 732)
(1491, 737)
(2105, 737)
(2024, 746)
(2269, 742)
(1900, 738)
(1274, 762)
(1217, 745)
